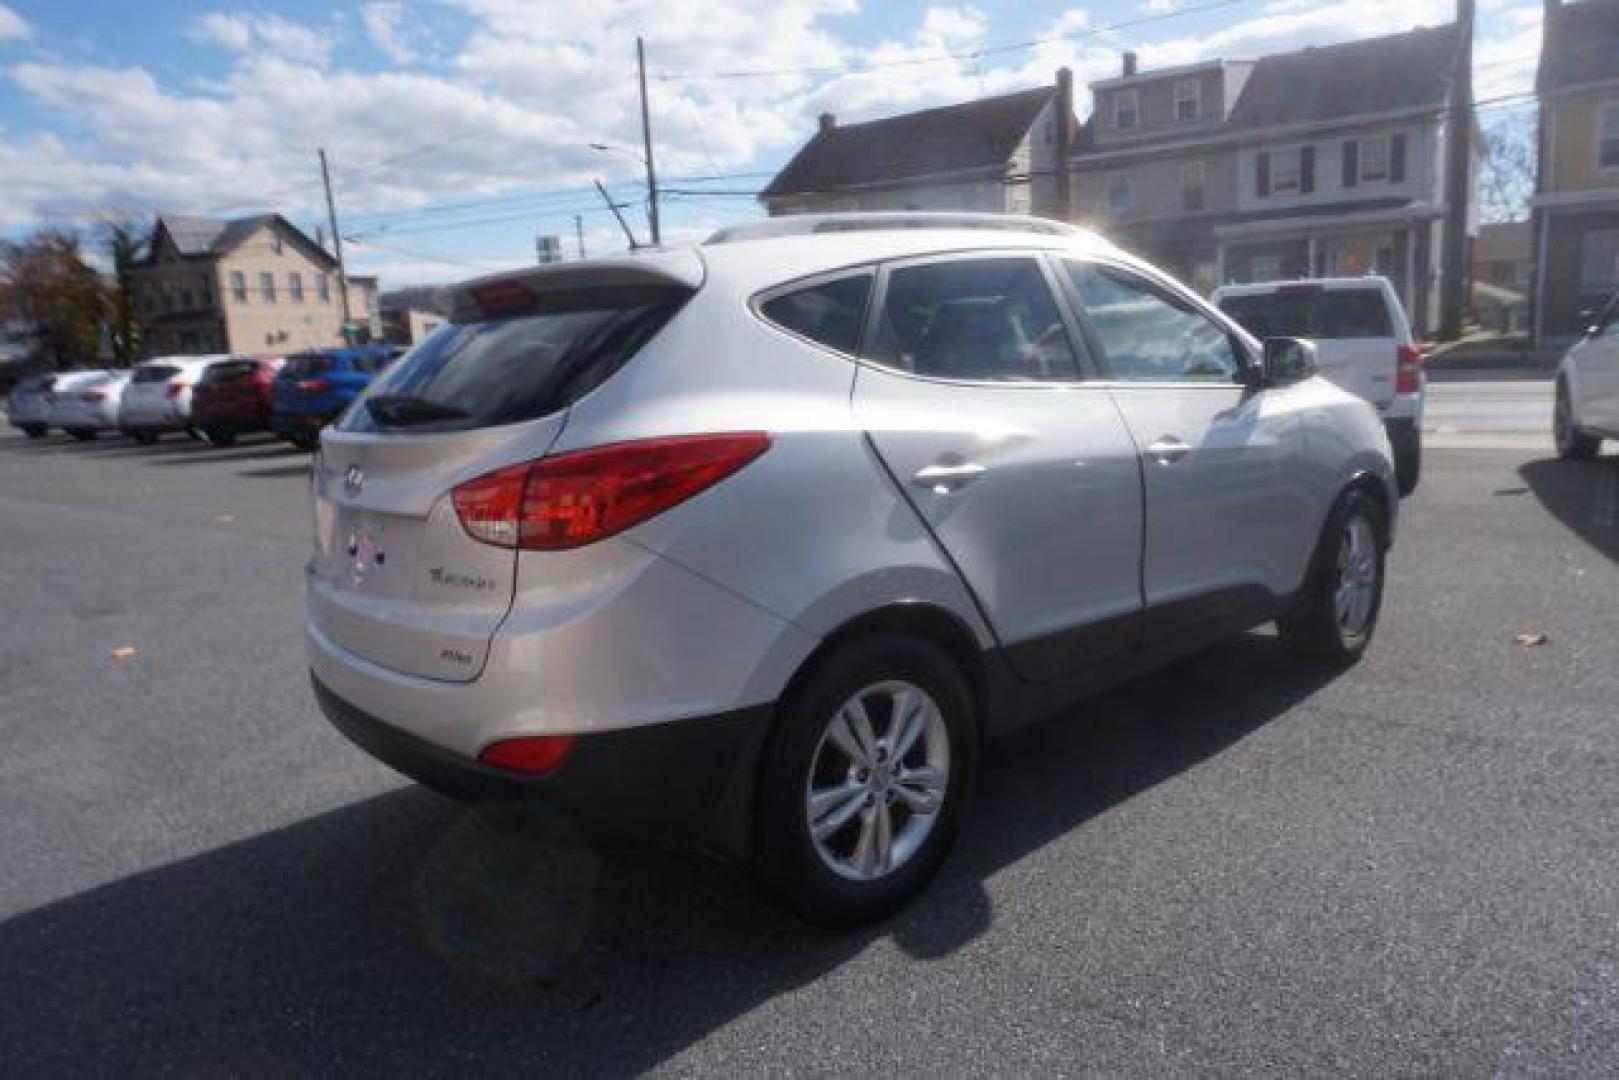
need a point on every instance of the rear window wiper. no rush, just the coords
(400, 410)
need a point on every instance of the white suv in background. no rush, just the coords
(1363, 343)
(1587, 408)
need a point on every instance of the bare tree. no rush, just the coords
(1506, 178)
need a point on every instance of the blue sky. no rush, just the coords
(460, 129)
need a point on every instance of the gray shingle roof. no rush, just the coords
(214, 236)
(954, 138)
(1378, 75)
(1581, 45)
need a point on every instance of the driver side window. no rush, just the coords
(1148, 334)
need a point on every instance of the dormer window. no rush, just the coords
(275, 241)
(1126, 109)
(1188, 100)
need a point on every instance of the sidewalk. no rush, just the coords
(1487, 356)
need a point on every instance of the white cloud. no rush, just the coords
(263, 34)
(12, 26)
(384, 21)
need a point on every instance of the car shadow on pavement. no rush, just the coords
(403, 933)
(265, 451)
(1583, 495)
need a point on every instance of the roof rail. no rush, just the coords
(809, 224)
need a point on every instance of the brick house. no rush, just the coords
(1324, 161)
(1575, 210)
(248, 285)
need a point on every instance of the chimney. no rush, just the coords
(1063, 106)
(1129, 64)
(828, 122)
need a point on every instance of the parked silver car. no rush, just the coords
(28, 403)
(90, 405)
(750, 546)
(159, 396)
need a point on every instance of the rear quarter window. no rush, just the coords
(154, 373)
(829, 313)
(306, 364)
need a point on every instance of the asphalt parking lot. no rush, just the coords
(1239, 865)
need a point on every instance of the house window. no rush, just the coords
(267, 287)
(1118, 193)
(323, 289)
(1599, 261)
(275, 241)
(1284, 171)
(1188, 99)
(1126, 109)
(1374, 159)
(295, 287)
(238, 286)
(1192, 185)
(1608, 137)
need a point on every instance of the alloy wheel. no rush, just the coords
(1355, 587)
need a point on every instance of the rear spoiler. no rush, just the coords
(574, 285)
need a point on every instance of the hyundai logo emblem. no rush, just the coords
(353, 481)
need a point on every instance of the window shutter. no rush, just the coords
(1262, 173)
(1397, 158)
(1351, 163)
(1306, 170)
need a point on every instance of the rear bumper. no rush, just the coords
(685, 783)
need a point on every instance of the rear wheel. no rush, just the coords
(82, 434)
(1338, 609)
(305, 442)
(219, 437)
(145, 438)
(35, 431)
(1572, 443)
(865, 781)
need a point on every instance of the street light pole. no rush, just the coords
(646, 137)
(337, 243)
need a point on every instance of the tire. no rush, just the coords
(840, 879)
(82, 434)
(35, 431)
(1408, 461)
(219, 437)
(1572, 443)
(1318, 627)
(304, 442)
(145, 438)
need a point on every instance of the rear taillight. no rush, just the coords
(1408, 372)
(575, 499)
(534, 754)
(311, 385)
(175, 388)
(92, 396)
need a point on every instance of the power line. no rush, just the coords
(939, 58)
(441, 259)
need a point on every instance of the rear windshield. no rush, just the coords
(1324, 313)
(229, 369)
(507, 370)
(297, 367)
(153, 373)
(35, 384)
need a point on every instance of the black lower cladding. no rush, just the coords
(684, 783)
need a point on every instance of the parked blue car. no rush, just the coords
(313, 388)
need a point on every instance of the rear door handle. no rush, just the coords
(1168, 450)
(943, 479)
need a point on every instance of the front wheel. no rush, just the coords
(35, 431)
(305, 442)
(219, 437)
(1407, 461)
(1572, 443)
(1338, 607)
(866, 780)
(82, 434)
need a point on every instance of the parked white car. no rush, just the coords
(159, 396)
(91, 406)
(1363, 343)
(27, 406)
(1587, 409)
(59, 403)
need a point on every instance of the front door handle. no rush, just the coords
(942, 479)
(1168, 450)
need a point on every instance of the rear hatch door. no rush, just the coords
(146, 398)
(1351, 326)
(396, 579)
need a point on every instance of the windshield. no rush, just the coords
(502, 371)
(1315, 313)
(305, 364)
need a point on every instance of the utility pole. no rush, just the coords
(337, 242)
(1458, 180)
(614, 207)
(646, 138)
(579, 231)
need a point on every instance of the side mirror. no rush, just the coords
(1285, 361)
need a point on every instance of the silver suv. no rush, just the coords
(750, 547)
